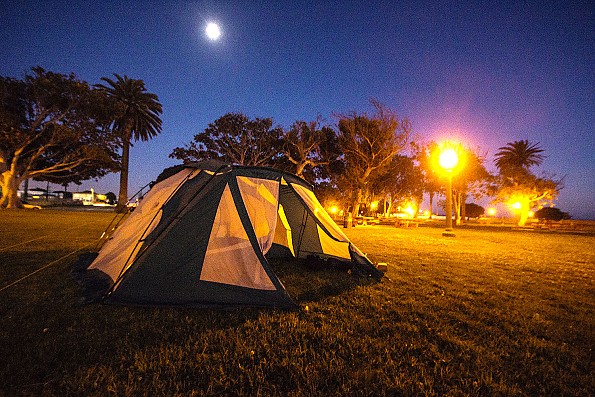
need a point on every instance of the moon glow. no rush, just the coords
(213, 32)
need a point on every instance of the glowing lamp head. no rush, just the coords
(448, 159)
(516, 205)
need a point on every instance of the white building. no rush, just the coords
(89, 197)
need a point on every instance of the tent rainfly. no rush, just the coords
(202, 234)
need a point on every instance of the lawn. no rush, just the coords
(492, 311)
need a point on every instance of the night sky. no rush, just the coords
(483, 73)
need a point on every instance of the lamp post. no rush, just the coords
(448, 160)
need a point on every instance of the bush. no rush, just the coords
(551, 214)
(473, 210)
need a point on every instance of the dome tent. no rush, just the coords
(201, 235)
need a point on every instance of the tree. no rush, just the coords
(53, 127)
(473, 210)
(517, 185)
(473, 179)
(234, 138)
(307, 147)
(430, 180)
(111, 198)
(137, 118)
(551, 214)
(528, 193)
(401, 182)
(369, 143)
(515, 159)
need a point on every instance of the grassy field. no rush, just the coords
(490, 312)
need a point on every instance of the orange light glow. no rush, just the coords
(448, 159)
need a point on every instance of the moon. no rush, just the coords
(213, 32)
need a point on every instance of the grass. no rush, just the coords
(490, 312)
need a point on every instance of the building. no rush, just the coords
(89, 197)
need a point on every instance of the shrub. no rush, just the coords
(473, 210)
(551, 214)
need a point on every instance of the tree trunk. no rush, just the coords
(387, 205)
(457, 204)
(10, 188)
(525, 209)
(360, 190)
(431, 204)
(26, 191)
(463, 207)
(299, 169)
(356, 204)
(416, 208)
(123, 194)
(3, 189)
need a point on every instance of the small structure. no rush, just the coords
(202, 235)
(89, 197)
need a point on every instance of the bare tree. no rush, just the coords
(369, 144)
(308, 146)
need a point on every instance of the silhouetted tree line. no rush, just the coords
(57, 128)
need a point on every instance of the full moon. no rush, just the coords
(213, 32)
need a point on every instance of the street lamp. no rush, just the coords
(448, 160)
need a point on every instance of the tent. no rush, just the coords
(202, 234)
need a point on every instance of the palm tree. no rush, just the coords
(137, 118)
(518, 186)
(515, 159)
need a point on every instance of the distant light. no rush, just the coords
(531, 214)
(409, 209)
(333, 209)
(213, 32)
(374, 205)
(491, 211)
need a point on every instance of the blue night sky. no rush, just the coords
(484, 73)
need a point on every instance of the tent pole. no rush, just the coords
(121, 215)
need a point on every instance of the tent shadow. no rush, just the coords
(312, 279)
(93, 283)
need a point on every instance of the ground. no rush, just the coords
(493, 311)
